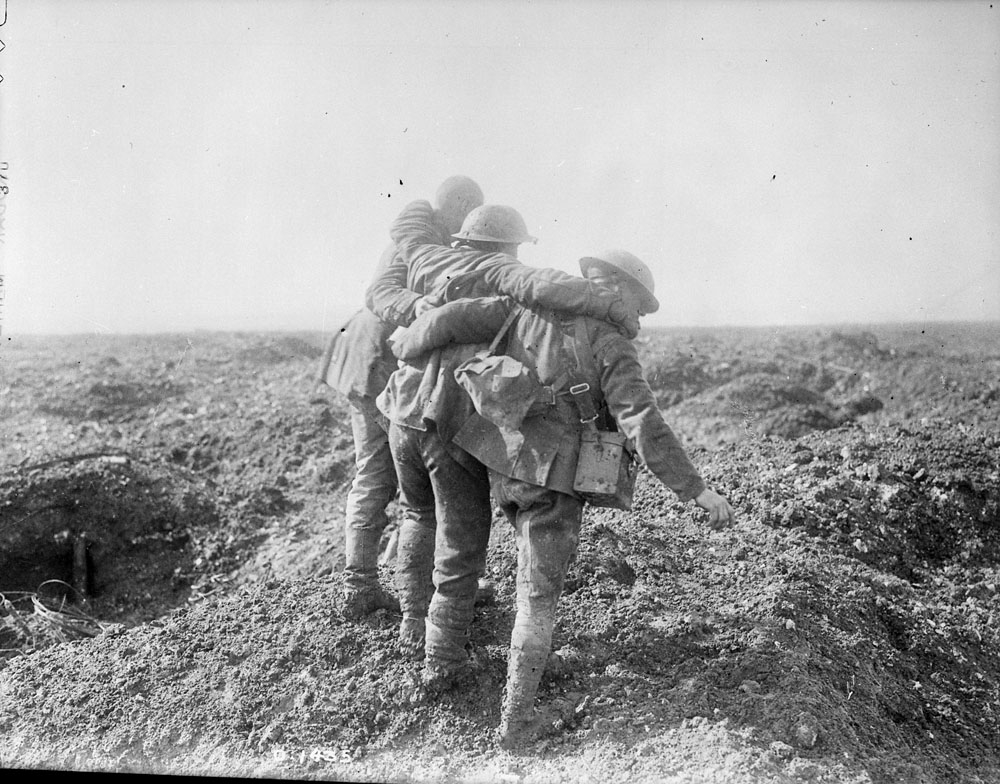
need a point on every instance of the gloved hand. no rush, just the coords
(720, 513)
(626, 319)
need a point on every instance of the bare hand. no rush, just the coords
(720, 513)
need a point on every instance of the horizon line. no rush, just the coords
(9, 335)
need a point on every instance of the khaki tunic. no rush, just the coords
(545, 449)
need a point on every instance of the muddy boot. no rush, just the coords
(411, 638)
(530, 643)
(441, 675)
(362, 593)
(447, 664)
(519, 724)
(414, 567)
(359, 602)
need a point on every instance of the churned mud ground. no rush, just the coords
(171, 545)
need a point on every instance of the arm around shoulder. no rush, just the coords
(415, 226)
(389, 297)
(463, 321)
(552, 288)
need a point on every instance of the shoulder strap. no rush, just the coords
(582, 341)
(578, 367)
(503, 329)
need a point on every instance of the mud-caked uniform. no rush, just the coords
(532, 468)
(447, 490)
(358, 363)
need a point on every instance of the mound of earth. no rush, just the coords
(756, 404)
(844, 631)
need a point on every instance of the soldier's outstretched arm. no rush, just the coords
(633, 406)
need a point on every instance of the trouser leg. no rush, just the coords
(547, 530)
(415, 548)
(461, 489)
(414, 564)
(372, 490)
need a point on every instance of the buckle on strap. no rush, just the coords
(548, 395)
(584, 402)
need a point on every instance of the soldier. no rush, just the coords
(448, 490)
(582, 363)
(357, 363)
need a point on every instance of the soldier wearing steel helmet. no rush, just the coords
(358, 363)
(447, 489)
(532, 468)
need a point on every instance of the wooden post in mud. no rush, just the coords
(81, 576)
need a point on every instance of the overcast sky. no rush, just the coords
(236, 165)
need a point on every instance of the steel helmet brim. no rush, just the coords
(468, 235)
(494, 223)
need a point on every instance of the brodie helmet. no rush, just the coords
(495, 223)
(621, 261)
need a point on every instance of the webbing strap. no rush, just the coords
(584, 402)
(583, 339)
(503, 329)
(580, 389)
